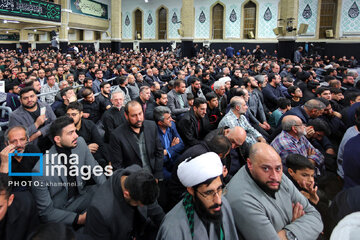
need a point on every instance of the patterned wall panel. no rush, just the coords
(174, 22)
(308, 12)
(202, 21)
(233, 21)
(150, 18)
(127, 21)
(350, 19)
(267, 19)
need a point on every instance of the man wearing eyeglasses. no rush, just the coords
(203, 213)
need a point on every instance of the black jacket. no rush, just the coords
(125, 151)
(21, 218)
(188, 128)
(110, 217)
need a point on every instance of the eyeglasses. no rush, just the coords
(208, 195)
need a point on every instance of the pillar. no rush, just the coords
(115, 26)
(187, 27)
(24, 40)
(64, 32)
(286, 45)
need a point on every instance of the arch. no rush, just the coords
(162, 23)
(138, 26)
(328, 17)
(217, 20)
(249, 23)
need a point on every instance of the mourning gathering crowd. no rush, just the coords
(147, 144)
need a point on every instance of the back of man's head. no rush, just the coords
(5, 186)
(142, 187)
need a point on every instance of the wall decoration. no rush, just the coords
(202, 17)
(267, 15)
(31, 9)
(90, 8)
(233, 17)
(149, 19)
(174, 18)
(127, 20)
(307, 13)
(354, 10)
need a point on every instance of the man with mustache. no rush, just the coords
(16, 139)
(30, 115)
(266, 204)
(63, 194)
(203, 213)
(136, 141)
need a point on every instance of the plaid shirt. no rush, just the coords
(285, 144)
(230, 120)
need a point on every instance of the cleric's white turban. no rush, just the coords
(197, 170)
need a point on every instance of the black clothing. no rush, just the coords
(24, 166)
(296, 104)
(104, 102)
(61, 110)
(111, 119)
(214, 117)
(90, 133)
(236, 81)
(191, 129)
(21, 218)
(94, 109)
(110, 216)
(149, 113)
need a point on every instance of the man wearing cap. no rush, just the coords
(203, 213)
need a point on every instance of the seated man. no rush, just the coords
(124, 207)
(177, 101)
(17, 139)
(235, 117)
(266, 204)
(203, 213)
(68, 95)
(65, 203)
(194, 125)
(18, 215)
(169, 137)
(89, 132)
(213, 112)
(160, 99)
(114, 116)
(93, 108)
(292, 140)
(35, 116)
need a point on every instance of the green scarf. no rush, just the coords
(189, 210)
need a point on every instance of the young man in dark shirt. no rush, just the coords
(88, 130)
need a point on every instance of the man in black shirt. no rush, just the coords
(68, 96)
(161, 99)
(88, 130)
(104, 96)
(18, 215)
(16, 139)
(114, 116)
(92, 106)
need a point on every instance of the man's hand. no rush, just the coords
(34, 136)
(282, 235)
(82, 219)
(165, 152)
(311, 193)
(225, 171)
(267, 125)
(93, 147)
(40, 121)
(175, 141)
(4, 154)
(337, 114)
(309, 131)
(298, 211)
(86, 115)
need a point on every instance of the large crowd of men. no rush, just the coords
(222, 145)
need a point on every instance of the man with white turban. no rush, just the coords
(203, 213)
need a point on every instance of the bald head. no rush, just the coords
(263, 151)
(237, 136)
(289, 121)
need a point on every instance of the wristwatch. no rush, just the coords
(290, 235)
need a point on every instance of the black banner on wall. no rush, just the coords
(31, 9)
